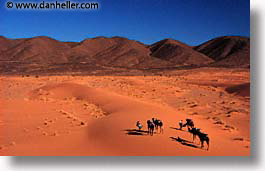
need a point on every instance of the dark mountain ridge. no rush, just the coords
(117, 51)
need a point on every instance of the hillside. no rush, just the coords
(178, 53)
(49, 55)
(41, 50)
(232, 51)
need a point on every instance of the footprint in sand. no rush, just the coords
(218, 121)
(193, 113)
(55, 134)
(238, 139)
(44, 133)
(63, 112)
(229, 128)
(13, 143)
(82, 123)
(69, 117)
(25, 130)
(192, 106)
(46, 123)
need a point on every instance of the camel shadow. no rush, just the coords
(184, 142)
(177, 129)
(135, 132)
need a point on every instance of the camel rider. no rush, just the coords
(139, 125)
(180, 124)
(189, 123)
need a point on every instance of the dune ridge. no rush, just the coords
(96, 115)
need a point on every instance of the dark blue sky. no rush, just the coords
(148, 21)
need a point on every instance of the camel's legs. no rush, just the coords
(161, 130)
(207, 141)
(202, 142)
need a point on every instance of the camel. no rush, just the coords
(189, 123)
(158, 123)
(195, 132)
(202, 136)
(151, 127)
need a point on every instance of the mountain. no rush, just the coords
(115, 51)
(43, 50)
(6, 44)
(178, 53)
(229, 51)
(19, 55)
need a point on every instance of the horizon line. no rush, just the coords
(109, 37)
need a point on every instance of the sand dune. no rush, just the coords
(96, 115)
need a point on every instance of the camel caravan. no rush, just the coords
(196, 132)
(156, 124)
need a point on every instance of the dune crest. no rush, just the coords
(97, 115)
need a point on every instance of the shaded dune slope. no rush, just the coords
(107, 135)
(241, 90)
(109, 102)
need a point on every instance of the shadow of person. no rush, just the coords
(178, 129)
(135, 132)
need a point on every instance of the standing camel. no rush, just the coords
(151, 127)
(158, 123)
(195, 132)
(202, 136)
(189, 123)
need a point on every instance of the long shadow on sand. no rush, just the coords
(176, 129)
(136, 132)
(184, 142)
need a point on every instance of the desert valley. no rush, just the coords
(84, 98)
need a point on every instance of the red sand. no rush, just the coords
(96, 115)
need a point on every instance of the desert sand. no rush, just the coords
(96, 115)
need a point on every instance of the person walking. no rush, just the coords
(180, 124)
